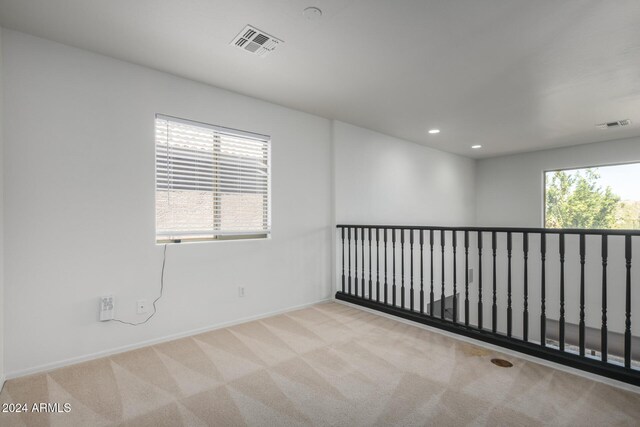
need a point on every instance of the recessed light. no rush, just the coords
(475, 147)
(432, 131)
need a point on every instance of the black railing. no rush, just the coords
(582, 278)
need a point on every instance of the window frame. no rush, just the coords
(569, 168)
(226, 237)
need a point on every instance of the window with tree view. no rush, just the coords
(605, 197)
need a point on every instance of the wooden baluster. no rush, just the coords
(386, 288)
(342, 233)
(561, 324)
(603, 330)
(442, 305)
(494, 306)
(479, 279)
(411, 288)
(363, 278)
(454, 238)
(466, 278)
(356, 282)
(393, 250)
(402, 268)
(525, 315)
(349, 247)
(543, 316)
(431, 299)
(370, 281)
(377, 265)
(509, 314)
(421, 272)
(627, 321)
(581, 326)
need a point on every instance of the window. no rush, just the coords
(604, 197)
(212, 183)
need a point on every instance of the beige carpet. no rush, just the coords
(325, 365)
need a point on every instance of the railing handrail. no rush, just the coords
(533, 230)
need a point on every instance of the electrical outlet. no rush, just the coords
(106, 308)
(241, 291)
(142, 306)
(470, 275)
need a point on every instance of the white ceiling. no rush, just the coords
(512, 75)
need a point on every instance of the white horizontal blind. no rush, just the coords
(211, 182)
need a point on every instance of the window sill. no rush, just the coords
(225, 238)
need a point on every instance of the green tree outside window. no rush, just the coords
(576, 199)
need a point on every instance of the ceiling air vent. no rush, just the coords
(252, 40)
(610, 125)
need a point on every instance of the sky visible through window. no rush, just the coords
(624, 179)
(604, 197)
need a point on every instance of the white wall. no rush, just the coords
(384, 180)
(510, 193)
(79, 212)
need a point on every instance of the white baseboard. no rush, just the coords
(86, 357)
(558, 366)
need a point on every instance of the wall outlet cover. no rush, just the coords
(106, 308)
